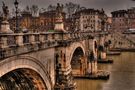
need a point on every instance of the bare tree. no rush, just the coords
(51, 7)
(71, 8)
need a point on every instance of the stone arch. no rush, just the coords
(28, 62)
(24, 78)
(95, 47)
(78, 61)
(74, 47)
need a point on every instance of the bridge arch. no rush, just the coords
(95, 48)
(77, 59)
(27, 64)
(74, 47)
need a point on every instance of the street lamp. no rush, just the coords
(16, 12)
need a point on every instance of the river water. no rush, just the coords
(122, 75)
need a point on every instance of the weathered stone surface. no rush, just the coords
(50, 55)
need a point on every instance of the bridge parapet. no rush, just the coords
(19, 43)
(9, 40)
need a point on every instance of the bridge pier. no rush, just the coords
(92, 67)
(92, 63)
(102, 55)
(102, 50)
(64, 78)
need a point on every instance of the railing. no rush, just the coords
(19, 39)
(9, 43)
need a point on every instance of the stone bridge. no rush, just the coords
(50, 60)
(122, 40)
(46, 61)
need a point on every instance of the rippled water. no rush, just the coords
(122, 75)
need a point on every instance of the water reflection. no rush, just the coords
(122, 75)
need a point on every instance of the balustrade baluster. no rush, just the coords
(41, 38)
(19, 39)
(37, 37)
(32, 38)
(4, 41)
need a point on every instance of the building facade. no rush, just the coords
(123, 19)
(131, 18)
(89, 20)
(45, 21)
(119, 20)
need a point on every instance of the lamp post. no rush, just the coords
(16, 12)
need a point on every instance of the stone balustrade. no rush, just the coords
(19, 39)
(18, 43)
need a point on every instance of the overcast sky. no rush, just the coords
(108, 5)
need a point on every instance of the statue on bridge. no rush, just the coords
(59, 8)
(5, 11)
(59, 24)
(5, 28)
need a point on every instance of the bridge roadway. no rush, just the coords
(46, 61)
